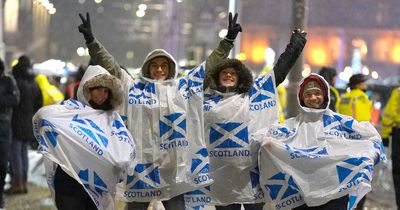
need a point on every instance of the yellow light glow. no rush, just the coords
(364, 49)
(396, 53)
(253, 45)
(258, 54)
(241, 56)
(318, 56)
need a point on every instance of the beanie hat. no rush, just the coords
(310, 83)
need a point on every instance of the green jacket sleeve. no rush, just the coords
(100, 56)
(218, 54)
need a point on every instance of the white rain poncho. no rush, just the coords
(92, 146)
(316, 157)
(166, 118)
(230, 120)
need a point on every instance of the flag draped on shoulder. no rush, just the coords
(316, 157)
(166, 119)
(230, 120)
(92, 146)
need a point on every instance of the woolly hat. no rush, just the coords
(312, 85)
(313, 82)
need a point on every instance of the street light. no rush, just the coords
(140, 13)
(142, 7)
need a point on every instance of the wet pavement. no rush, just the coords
(39, 197)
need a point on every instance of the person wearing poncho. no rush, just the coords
(165, 115)
(319, 159)
(86, 146)
(235, 106)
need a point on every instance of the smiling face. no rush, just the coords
(313, 98)
(228, 77)
(159, 68)
(99, 95)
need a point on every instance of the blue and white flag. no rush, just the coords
(230, 120)
(92, 146)
(166, 118)
(318, 157)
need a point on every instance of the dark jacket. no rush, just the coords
(9, 97)
(329, 74)
(288, 58)
(30, 102)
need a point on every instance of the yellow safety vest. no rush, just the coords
(356, 104)
(50, 93)
(391, 114)
(336, 93)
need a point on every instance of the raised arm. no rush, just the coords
(288, 58)
(222, 51)
(99, 54)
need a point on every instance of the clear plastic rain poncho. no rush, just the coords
(166, 118)
(92, 146)
(316, 157)
(230, 120)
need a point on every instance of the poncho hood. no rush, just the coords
(173, 72)
(245, 80)
(97, 76)
(325, 89)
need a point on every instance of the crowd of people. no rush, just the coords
(212, 137)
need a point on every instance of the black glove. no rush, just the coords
(298, 37)
(233, 28)
(85, 28)
(385, 142)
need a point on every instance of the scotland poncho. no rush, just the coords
(166, 120)
(92, 146)
(316, 157)
(230, 120)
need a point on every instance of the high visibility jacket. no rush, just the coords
(282, 94)
(356, 104)
(50, 93)
(391, 114)
(335, 99)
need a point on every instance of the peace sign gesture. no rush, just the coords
(85, 28)
(233, 27)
